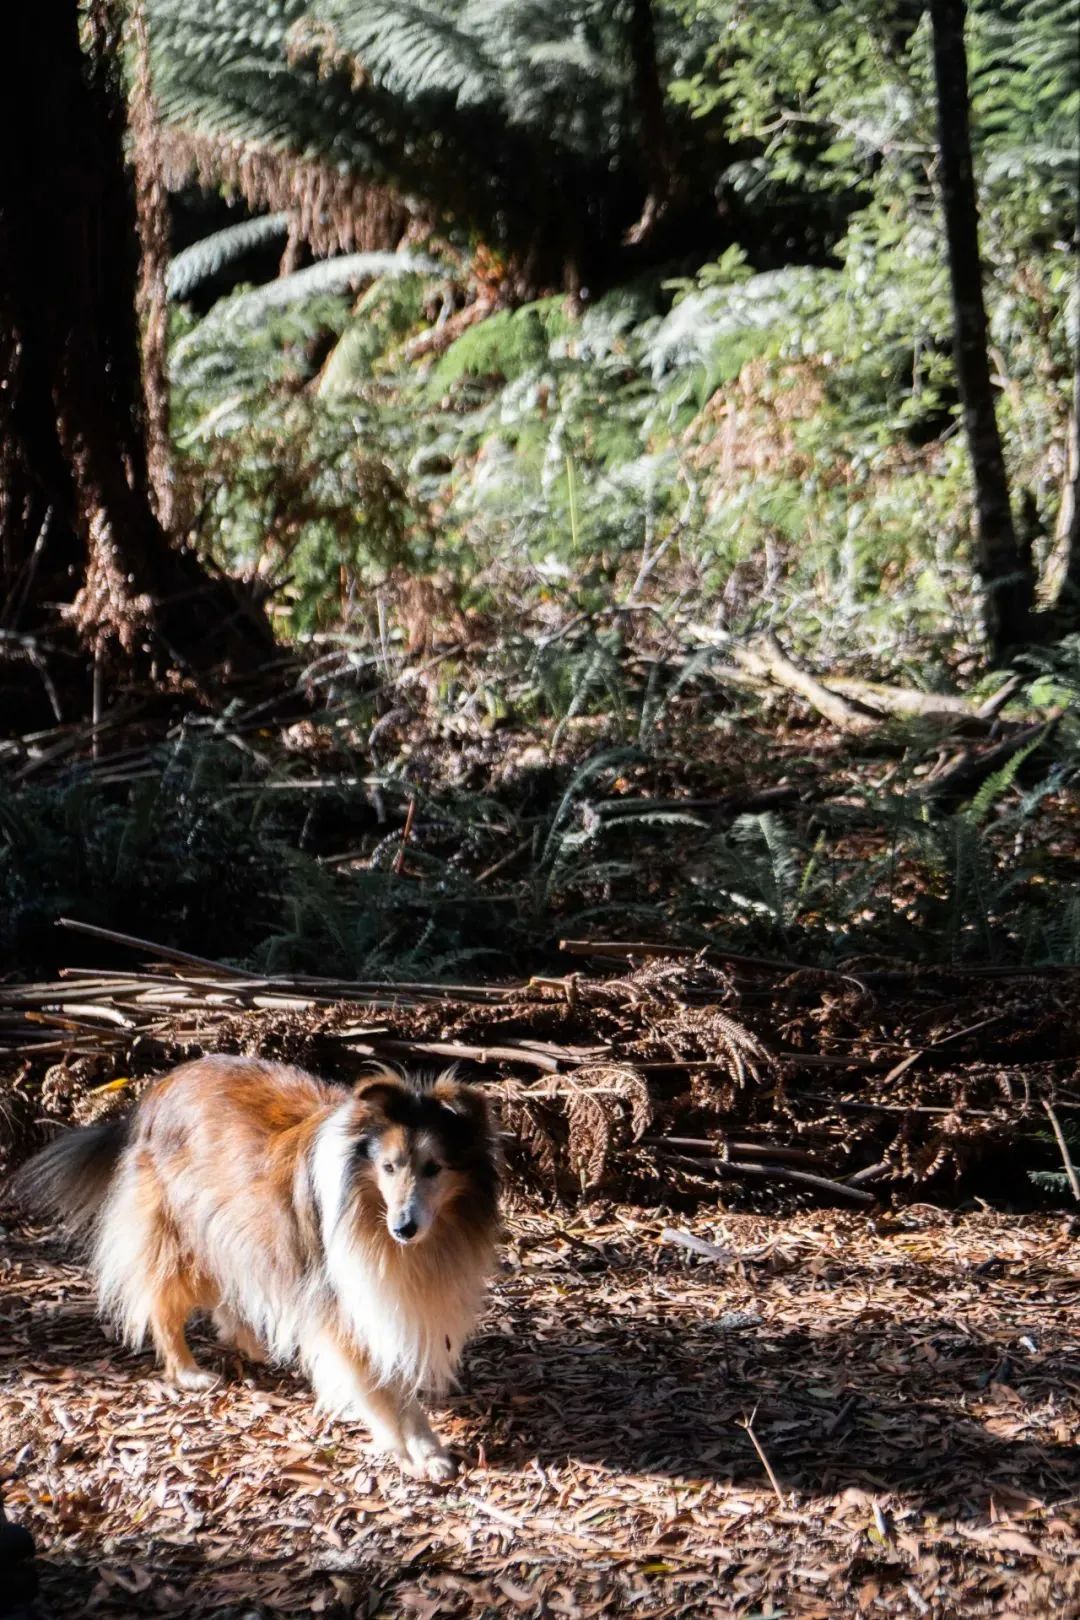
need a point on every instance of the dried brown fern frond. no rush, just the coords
(533, 1139)
(659, 980)
(607, 1106)
(746, 1057)
(592, 1124)
(334, 211)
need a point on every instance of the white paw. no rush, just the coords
(428, 1458)
(193, 1378)
(439, 1467)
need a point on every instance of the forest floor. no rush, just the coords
(865, 992)
(835, 1416)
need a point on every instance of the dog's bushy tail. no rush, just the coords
(71, 1177)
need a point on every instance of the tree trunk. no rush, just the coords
(80, 542)
(1005, 575)
(1062, 577)
(654, 135)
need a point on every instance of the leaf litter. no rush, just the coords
(910, 1382)
(693, 1393)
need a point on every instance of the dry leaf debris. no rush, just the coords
(913, 1383)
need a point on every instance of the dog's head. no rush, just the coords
(426, 1148)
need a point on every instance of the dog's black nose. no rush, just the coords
(405, 1230)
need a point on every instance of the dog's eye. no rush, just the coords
(389, 1168)
(431, 1168)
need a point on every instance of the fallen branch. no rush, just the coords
(768, 660)
(777, 1172)
(751, 1150)
(1070, 1168)
(908, 700)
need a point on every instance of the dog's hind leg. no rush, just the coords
(344, 1383)
(232, 1331)
(144, 1282)
(170, 1307)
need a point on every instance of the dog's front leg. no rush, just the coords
(425, 1449)
(344, 1383)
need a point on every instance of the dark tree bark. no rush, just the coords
(81, 544)
(654, 134)
(1063, 569)
(1006, 576)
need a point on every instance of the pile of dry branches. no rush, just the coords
(674, 1077)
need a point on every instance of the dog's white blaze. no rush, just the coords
(408, 1310)
(334, 1147)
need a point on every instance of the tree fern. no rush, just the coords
(321, 280)
(487, 116)
(406, 49)
(206, 258)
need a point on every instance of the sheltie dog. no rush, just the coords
(352, 1229)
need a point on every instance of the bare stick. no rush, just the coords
(165, 952)
(1070, 1168)
(466, 1054)
(750, 1150)
(776, 1172)
(769, 660)
(406, 834)
(906, 700)
(748, 1425)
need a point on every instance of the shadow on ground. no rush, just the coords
(881, 1403)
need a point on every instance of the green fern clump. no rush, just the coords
(506, 345)
(170, 854)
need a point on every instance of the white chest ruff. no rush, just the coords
(410, 1309)
(411, 1322)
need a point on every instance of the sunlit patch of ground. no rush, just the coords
(912, 1387)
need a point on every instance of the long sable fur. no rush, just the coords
(260, 1193)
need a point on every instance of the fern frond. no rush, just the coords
(329, 277)
(992, 789)
(204, 259)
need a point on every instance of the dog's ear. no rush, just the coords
(382, 1094)
(468, 1102)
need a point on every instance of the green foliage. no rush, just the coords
(208, 257)
(507, 344)
(784, 440)
(491, 115)
(584, 491)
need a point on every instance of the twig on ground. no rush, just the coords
(1070, 1168)
(748, 1425)
(696, 1245)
